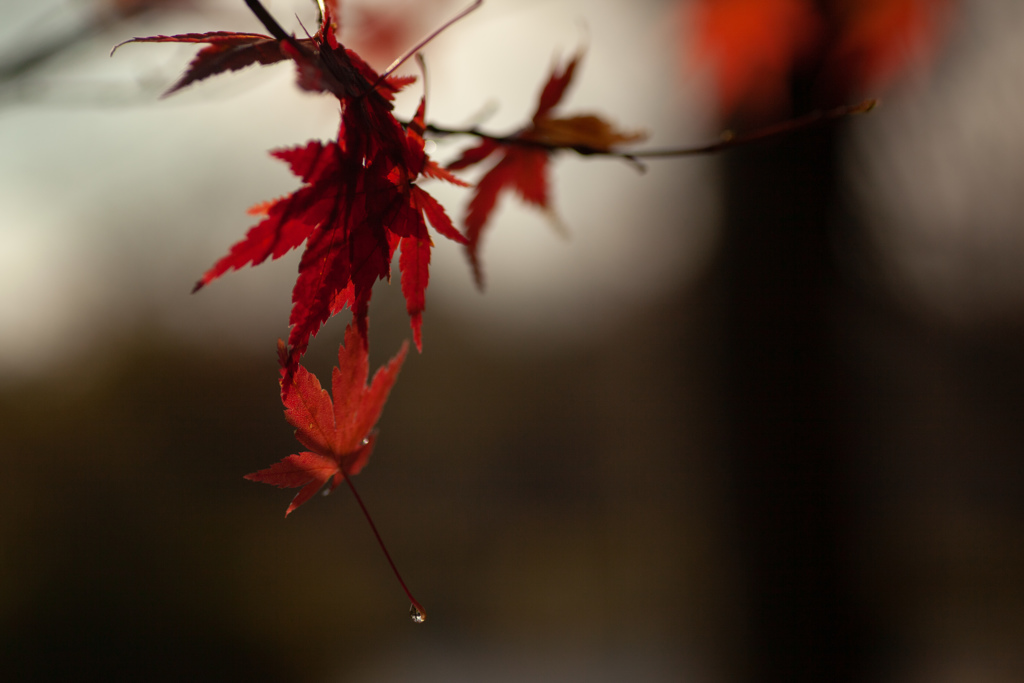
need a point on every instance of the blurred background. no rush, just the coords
(760, 417)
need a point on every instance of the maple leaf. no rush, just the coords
(354, 216)
(323, 64)
(359, 200)
(410, 222)
(339, 434)
(225, 51)
(523, 163)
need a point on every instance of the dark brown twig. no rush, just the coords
(727, 141)
(274, 28)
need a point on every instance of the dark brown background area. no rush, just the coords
(573, 502)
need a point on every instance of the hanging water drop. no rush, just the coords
(418, 614)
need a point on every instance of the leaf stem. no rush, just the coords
(373, 527)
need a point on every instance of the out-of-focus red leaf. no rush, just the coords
(555, 88)
(338, 434)
(520, 169)
(753, 47)
(750, 47)
(383, 32)
(475, 155)
(382, 29)
(881, 38)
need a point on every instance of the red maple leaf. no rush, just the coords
(225, 51)
(410, 220)
(323, 64)
(338, 434)
(358, 202)
(523, 166)
(352, 217)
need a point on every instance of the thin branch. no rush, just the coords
(274, 28)
(728, 140)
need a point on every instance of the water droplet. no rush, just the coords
(418, 614)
